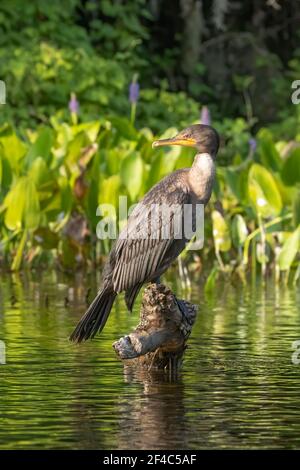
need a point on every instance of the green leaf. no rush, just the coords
(239, 230)
(91, 129)
(263, 192)
(268, 153)
(296, 209)
(39, 172)
(132, 174)
(289, 250)
(109, 191)
(124, 127)
(14, 203)
(291, 169)
(1, 167)
(13, 148)
(75, 147)
(237, 182)
(31, 214)
(41, 147)
(221, 232)
(16, 264)
(22, 204)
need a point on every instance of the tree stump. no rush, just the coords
(159, 341)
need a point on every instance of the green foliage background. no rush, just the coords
(55, 168)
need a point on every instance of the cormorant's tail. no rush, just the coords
(95, 317)
(131, 294)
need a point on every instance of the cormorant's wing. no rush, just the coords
(153, 227)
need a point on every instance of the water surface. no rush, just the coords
(238, 387)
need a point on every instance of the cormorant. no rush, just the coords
(150, 243)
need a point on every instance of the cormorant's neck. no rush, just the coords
(201, 176)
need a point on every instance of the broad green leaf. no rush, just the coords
(132, 174)
(91, 130)
(124, 127)
(31, 215)
(263, 192)
(13, 148)
(161, 164)
(6, 172)
(291, 169)
(221, 232)
(287, 192)
(39, 172)
(112, 158)
(109, 191)
(185, 159)
(237, 182)
(41, 147)
(22, 204)
(296, 209)
(239, 230)
(14, 203)
(1, 170)
(289, 250)
(268, 153)
(75, 147)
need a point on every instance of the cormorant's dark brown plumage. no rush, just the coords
(143, 251)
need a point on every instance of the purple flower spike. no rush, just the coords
(205, 116)
(252, 144)
(134, 91)
(74, 104)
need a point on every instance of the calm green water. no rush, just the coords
(238, 387)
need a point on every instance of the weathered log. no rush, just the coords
(159, 341)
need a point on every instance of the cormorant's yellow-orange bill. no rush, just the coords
(174, 141)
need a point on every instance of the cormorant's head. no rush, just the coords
(204, 138)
